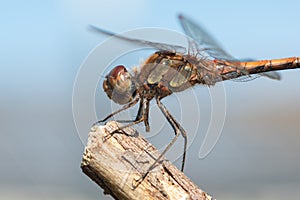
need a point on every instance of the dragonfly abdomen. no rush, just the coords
(255, 67)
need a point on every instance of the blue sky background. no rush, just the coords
(43, 44)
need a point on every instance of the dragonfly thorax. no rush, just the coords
(119, 86)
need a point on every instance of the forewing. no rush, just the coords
(156, 45)
(206, 42)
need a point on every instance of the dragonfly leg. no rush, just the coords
(138, 116)
(141, 116)
(146, 116)
(178, 130)
(120, 129)
(116, 112)
(143, 112)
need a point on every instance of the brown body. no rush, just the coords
(165, 72)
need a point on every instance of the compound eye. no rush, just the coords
(118, 85)
(120, 79)
(116, 71)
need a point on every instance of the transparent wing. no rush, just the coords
(206, 42)
(156, 45)
(245, 78)
(271, 75)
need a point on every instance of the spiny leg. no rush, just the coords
(175, 127)
(120, 129)
(143, 113)
(139, 113)
(178, 130)
(146, 116)
(141, 116)
(184, 135)
(116, 112)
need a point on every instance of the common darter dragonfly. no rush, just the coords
(173, 69)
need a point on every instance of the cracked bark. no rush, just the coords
(115, 162)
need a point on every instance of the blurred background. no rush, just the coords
(44, 43)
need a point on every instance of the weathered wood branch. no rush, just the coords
(117, 161)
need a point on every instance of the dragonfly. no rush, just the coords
(174, 68)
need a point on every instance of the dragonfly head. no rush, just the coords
(119, 86)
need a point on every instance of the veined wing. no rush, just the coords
(210, 46)
(206, 42)
(156, 45)
(271, 75)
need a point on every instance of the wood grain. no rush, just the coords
(116, 162)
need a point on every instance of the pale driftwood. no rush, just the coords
(116, 162)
